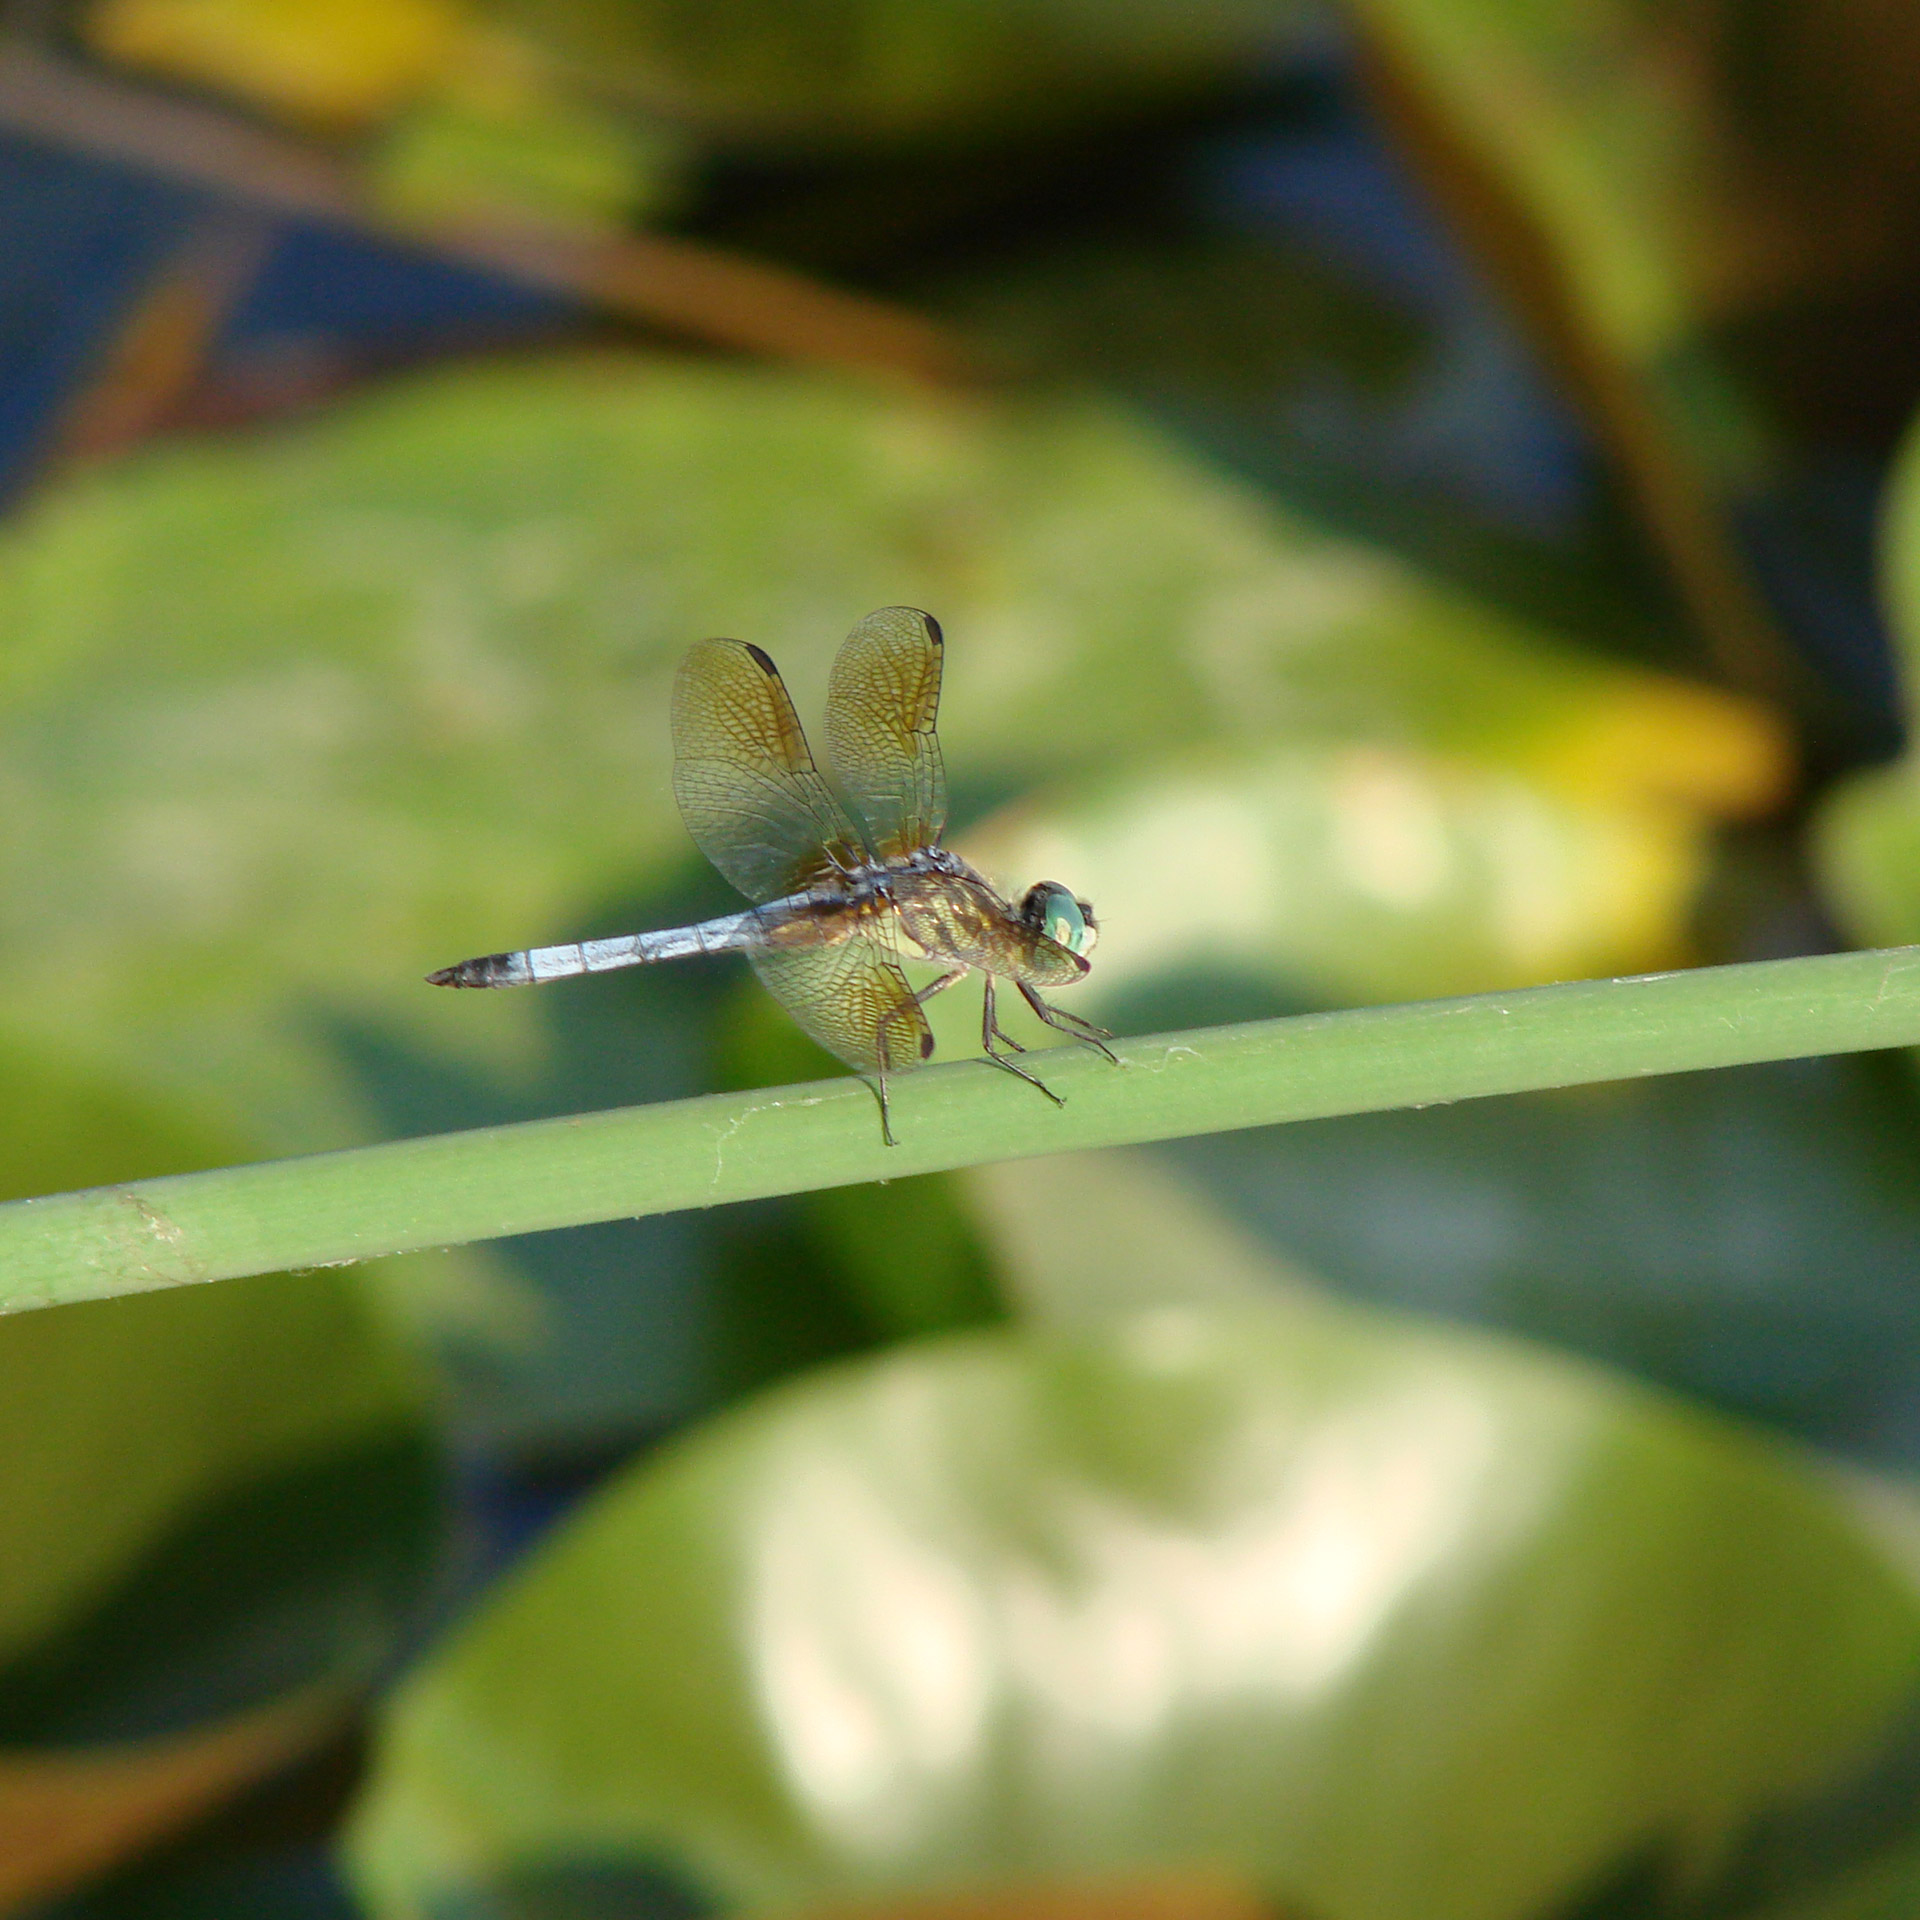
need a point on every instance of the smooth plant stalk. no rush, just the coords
(452, 1188)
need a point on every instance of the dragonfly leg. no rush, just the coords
(1068, 1023)
(886, 1127)
(880, 1087)
(945, 981)
(884, 1051)
(990, 1032)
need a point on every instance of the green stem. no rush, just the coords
(355, 1205)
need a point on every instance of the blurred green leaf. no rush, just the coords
(1400, 1621)
(494, 138)
(1083, 1237)
(906, 1249)
(1643, 183)
(1370, 872)
(221, 1510)
(1744, 1236)
(1866, 845)
(1887, 1889)
(1866, 834)
(125, 1421)
(857, 73)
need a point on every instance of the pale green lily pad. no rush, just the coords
(1403, 1622)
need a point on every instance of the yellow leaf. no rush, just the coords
(1668, 743)
(334, 63)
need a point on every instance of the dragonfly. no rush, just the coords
(840, 894)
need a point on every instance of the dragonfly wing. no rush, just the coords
(881, 703)
(853, 999)
(748, 790)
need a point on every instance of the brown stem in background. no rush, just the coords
(691, 290)
(68, 1812)
(1189, 1896)
(163, 345)
(1676, 503)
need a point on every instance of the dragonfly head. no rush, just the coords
(1052, 909)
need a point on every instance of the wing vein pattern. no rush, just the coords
(851, 998)
(748, 789)
(882, 700)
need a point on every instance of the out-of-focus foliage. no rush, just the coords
(856, 73)
(1747, 1237)
(292, 721)
(1398, 1621)
(472, 124)
(1889, 1889)
(284, 714)
(1709, 212)
(1186, 1896)
(334, 63)
(492, 138)
(1611, 138)
(847, 73)
(219, 1513)
(281, 715)
(1403, 1623)
(1388, 867)
(1867, 837)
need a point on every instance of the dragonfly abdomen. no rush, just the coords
(533, 965)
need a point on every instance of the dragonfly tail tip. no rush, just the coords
(489, 970)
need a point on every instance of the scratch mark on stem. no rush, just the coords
(720, 1140)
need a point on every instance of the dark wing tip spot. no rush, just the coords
(762, 659)
(933, 630)
(926, 1046)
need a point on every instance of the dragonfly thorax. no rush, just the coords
(947, 914)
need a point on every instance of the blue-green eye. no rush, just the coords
(1063, 918)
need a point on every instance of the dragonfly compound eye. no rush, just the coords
(1054, 910)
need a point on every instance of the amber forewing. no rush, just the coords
(748, 789)
(882, 702)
